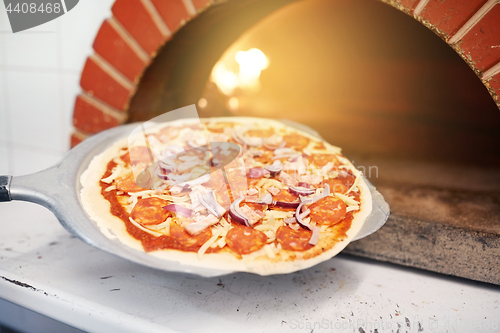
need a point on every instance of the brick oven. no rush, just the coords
(429, 127)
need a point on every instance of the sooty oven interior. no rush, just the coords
(403, 105)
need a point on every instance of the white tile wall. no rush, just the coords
(25, 161)
(34, 105)
(33, 48)
(3, 108)
(4, 160)
(78, 29)
(39, 80)
(70, 88)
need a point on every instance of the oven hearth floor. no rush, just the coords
(444, 218)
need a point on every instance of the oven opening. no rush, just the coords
(405, 108)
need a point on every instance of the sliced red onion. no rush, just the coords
(295, 158)
(197, 181)
(197, 143)
(179, 210)
(179, 179)
(257, 172)
(315, 236)
(161, 174)
(290, 220)
(208, 200)
(325, 193)
(267, 199)
(237, 138)
(284, 151)
(252, 141)
(285, 204)
(304, 213)
(236, 213)
(275, 168)
(289, 156)
(171, 150)
(303, 184)
(299, 218)
(167, 164)
(249, 141)
(304, 191)
(272, 147)
(256, 153)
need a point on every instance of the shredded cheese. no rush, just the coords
(347, 199)
(151, 232)
(265, 183)
(207, 244)
(265, 227)
(269, 251)
(142, 193)
(277, 214)
(351, 208)
(119, 161)
(164, 227)
(134, 202)
(356, 181)
(116, 172)
(182, 199)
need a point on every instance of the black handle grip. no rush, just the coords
(5, 188)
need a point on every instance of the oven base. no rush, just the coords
(435, 247)
(444, 218)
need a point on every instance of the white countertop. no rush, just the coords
(44, 269)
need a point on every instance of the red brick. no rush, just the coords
(74, 140)
(408, 4)
(495, 84)
(90, 118)
(450, 15)
(199, 4)
(172, 12)
(109, 45)
(136, 20)
(97, 82)
(482, 42)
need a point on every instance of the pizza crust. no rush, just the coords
(258, 262)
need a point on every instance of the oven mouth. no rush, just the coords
(406, 109)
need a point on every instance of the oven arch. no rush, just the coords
(127, 42)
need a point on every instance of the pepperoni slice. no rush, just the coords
(244, 240)
(127, 183)
(170, 132)
(260, 133)
(329, 210)
(347, 178)
(294, 240)
(150, 211)
(296, 141)
(320, 160)
(125, 158)
(237, 182)
(140, 154)
(337, 185)
(187, 241)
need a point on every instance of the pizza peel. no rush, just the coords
(58, 189)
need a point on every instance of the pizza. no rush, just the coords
(236, 194)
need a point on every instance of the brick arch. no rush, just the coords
(128, 41)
